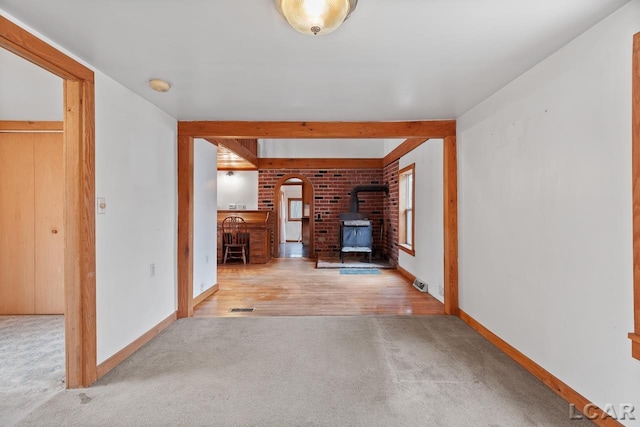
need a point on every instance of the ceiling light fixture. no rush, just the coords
(317, 17)
(159, 85)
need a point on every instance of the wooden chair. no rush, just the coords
(235, 239)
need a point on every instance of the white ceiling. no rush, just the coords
(239, 59)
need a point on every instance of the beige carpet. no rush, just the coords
(312, 371)
(31, 363)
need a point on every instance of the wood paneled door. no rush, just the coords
(31, 223)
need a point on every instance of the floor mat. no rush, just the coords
(359, 271)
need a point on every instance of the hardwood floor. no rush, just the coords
(294, 287)
(294, 250)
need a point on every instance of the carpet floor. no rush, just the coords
(31, 363)
(312, 371)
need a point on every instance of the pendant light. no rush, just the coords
(316, 17)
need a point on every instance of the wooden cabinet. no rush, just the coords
(260, 225)
(31, 223)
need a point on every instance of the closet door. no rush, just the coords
(49, 230)
(17, 276)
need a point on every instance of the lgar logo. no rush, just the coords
(623, 411)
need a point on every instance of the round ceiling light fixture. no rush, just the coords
(160, 85)
(316, 17)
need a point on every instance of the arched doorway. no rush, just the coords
(293, 206)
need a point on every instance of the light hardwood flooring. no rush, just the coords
(294, 287)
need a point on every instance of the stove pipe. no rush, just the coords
(353, 200)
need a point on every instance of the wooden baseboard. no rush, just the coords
(410, 277)
(120, 356)
(206, 294)
(563, 390)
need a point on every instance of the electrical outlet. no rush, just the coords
(152, 270)
(441, 290)
(202, 287)
(420, 285)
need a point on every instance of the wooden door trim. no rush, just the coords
(79, 213)
(450, 214)
(185, 226)
(30, 126)
(635, 160)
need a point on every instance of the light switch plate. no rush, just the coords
(102, 206)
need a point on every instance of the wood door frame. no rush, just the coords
(276, 207)
(79, 183)
(415, 132)
(635, 165)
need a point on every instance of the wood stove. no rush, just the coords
(356, 230)
(356, 235)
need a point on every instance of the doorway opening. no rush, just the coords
(78, 191)
(32, 299)
(294, 217)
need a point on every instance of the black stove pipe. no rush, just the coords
(353, 200)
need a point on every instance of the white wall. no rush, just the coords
(136, 173)
(293, 229)
(205, 219)
(135, 161)
(241, 188)
(545, 213)
(428, 262)
(27, 91)
(321, 148)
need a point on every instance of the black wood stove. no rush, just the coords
(356, 230)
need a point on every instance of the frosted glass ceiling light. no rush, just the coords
(316, 16)
(160, 85)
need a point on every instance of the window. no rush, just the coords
(295, 209)
(407, 214)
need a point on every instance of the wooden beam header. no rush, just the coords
(290, 130)
(402, 149)
(321, 163)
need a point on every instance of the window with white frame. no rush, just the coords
(407, 212)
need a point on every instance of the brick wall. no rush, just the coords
(332, 188)
(390, 175)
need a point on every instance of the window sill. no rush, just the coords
(406, 248)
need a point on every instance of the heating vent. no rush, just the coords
(420, 285)
(242, 310)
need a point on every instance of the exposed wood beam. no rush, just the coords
(273, 163)
(236, 167)
(34, 50)
(237, 148)
(21, 126)
(185, 226)
(402, 149)
(635, 159)
(450, 190)
(226, 129)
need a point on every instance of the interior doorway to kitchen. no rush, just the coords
(294, 222)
